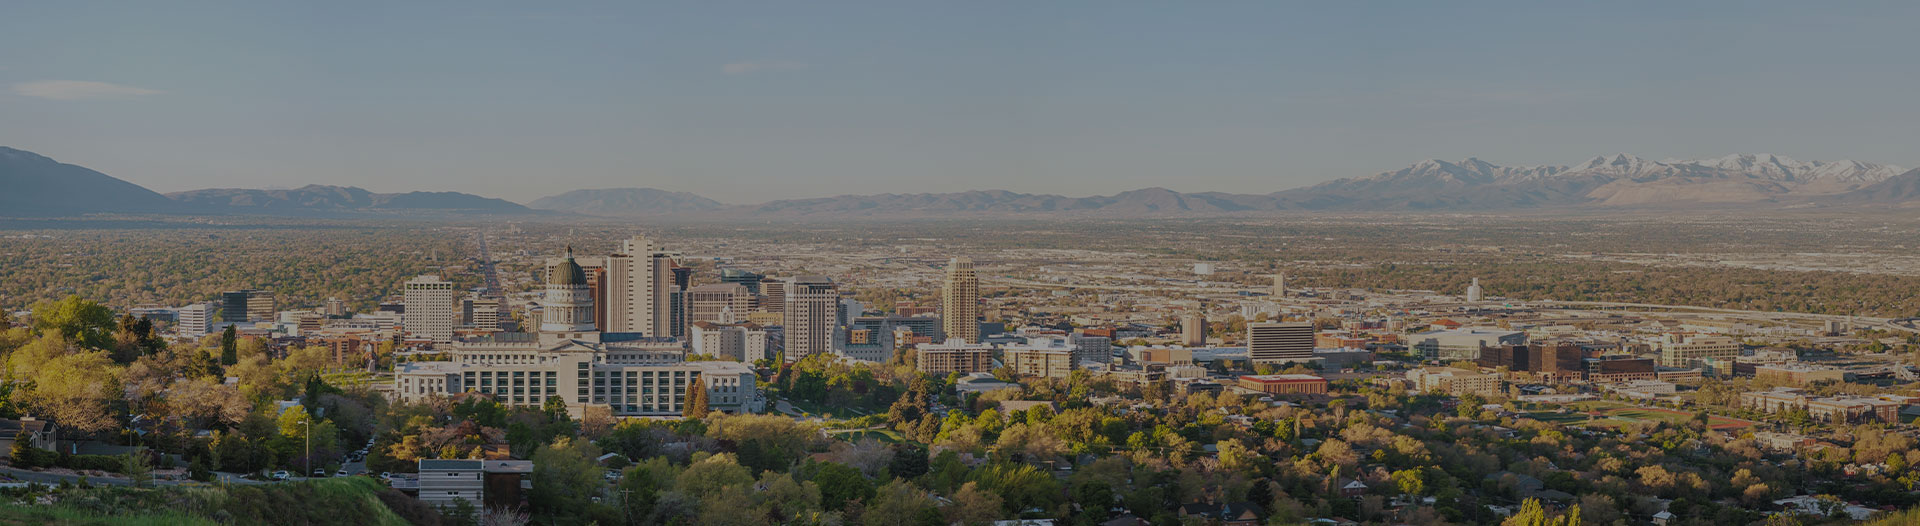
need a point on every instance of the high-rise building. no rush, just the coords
(638, 283)
(960, 301)
(336, 308)
(812, 313)
(1279, 342)
(1280, 285)
(677, 312)
(774, 295)
(194, 320)
(1473, 291)
(1193, 329)
(705, 302)
(429, 313)
(748, 279)
(242, 306)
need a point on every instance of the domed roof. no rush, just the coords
(568, 272)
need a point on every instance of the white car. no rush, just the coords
(281, 475)
(340, 473)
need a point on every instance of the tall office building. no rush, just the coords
(747, 279)
(774, 292)
(194, 320)
(241, 306)
(336, 308)
(1279, 342)
(960, 301)
(1280, 285)
(638, 283)
(705, 302)
(812, 313)
(1193, 329)
(486, 314)
(429, 313)
(677, 301)
(1473, 291)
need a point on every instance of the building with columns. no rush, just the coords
(569, 359)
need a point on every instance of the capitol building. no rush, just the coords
(634, 375)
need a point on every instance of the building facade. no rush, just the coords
(571, 361)
(1047, 357)
(1284, 383)
(953, 356)
(812, 314)
(960, 301)
(1279, 342)
(430, 312)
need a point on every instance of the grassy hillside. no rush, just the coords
(353, 500)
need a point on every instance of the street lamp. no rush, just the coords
(309, 462)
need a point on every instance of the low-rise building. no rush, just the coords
(1046, 357)
(1798, 374)
(1462, 344)
(1455, 382)
(1284, 383)
(486, 484)
(954, 356)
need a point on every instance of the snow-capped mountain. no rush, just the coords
(1607, 180)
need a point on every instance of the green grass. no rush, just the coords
(62, 515)
(350, 378)
(350, 500)
(883, 435)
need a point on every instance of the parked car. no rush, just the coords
(340, 473)
(281, 475)
(386, 475)
(319, 473)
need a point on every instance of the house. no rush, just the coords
(1353, 489)
(39, 433)
(1230, 514)
(1662, 518)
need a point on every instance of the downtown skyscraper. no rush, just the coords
(639, 281)
(960, 301)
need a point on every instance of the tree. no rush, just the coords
(85, 322)
(899, 501)
(229, 346)
(138, 467)
(72, 386)
(708, 476)
(696, 406)
(841, 485)
(973, 506)
(565, 479)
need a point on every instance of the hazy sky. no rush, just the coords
(745, 102)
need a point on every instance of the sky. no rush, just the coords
(747, 101)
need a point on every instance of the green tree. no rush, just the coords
(229, 346)
(81, 321)
(565, 480)
(841, 485)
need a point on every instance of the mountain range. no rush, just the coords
(37, 185)
(322, 198)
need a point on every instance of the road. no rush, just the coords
(487, 273)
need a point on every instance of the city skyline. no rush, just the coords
(805, 101)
